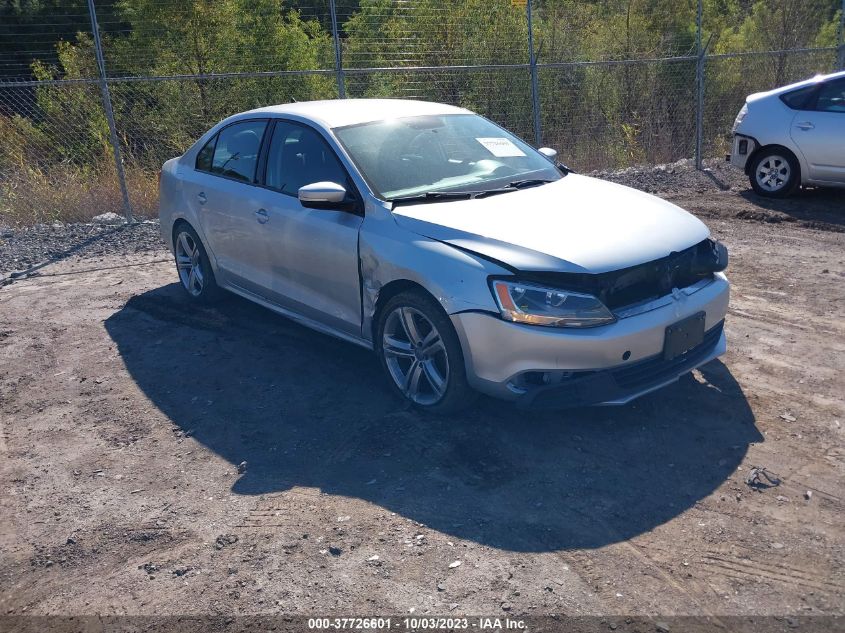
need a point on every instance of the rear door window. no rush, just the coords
(831, 96)
(237, 149)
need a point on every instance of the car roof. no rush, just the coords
(335, 113)
(800, 84)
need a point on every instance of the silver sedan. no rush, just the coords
(466, 259)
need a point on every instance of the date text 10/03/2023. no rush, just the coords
(417, 624)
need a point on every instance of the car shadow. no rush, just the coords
(810, 205)
(303, 409)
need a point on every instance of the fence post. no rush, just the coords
(535, 84)
(699, 89)
(338, 59)
(104, 89)
(840, 53)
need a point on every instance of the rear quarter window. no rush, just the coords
(205, 155)
(799, 99)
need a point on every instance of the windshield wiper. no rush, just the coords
(528, 182)
(437, 196)
(441, 196)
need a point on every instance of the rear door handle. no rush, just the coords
(805, 125)
(201, 197)
(261, 216)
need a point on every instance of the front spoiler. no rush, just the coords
(620, 385)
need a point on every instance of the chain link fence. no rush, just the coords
(84, 119)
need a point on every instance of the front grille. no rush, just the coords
(643, 282)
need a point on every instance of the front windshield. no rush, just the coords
(455, 152)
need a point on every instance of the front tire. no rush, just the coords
(421, 354)
(774, 173)
(195, 273)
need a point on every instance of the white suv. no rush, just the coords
(793, 136)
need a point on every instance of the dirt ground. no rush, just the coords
(126, 420)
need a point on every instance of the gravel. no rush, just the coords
(681, 176)
(25, 247)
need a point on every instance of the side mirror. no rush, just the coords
(549, 153)
(322, 195)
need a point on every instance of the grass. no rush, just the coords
(66, 193)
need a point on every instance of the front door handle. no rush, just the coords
(261, 216)
(201, 197)
(805, 125)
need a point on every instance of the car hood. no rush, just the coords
(575, 224)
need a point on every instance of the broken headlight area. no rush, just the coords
(542, 305)
(740, 116)
(643, 282)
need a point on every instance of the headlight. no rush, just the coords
(739, 117)
(537, 305)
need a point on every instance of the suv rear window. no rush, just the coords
(799, 99)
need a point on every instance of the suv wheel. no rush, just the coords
(774, 173)
(421, 353)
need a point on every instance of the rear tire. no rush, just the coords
(421, 354)
(193, 266)
(774, 172)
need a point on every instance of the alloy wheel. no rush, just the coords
(189, 264)
(415, 355)
(773, 173)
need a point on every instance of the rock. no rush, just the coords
(506, 606)
(335, 551)
(241, 468)
(454, 564)
(108, 218)
(441, 586)
(788, 417)
(777, 545)
(662, 627)
(225, 540)
(808, 495)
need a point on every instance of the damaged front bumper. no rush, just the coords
(743, 146)
(623, 384)
(612, 364)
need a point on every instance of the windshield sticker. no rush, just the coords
(500, 147)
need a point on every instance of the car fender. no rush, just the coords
(174, 205)
(457, 279)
